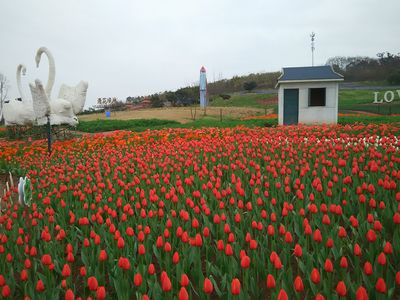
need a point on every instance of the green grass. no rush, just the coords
(362, 100)
(109, 125)
(349, 100)
(144, 124)
(394, 120)
(243, 100)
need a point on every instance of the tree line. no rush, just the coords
(385, 67)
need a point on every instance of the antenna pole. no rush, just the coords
(312, 35)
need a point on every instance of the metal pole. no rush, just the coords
(312, 47)
(48, 135)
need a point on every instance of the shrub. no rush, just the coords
(249, 85)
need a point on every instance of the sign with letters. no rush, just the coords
(388, 96)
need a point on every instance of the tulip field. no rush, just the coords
(294, 212)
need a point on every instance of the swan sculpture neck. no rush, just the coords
(20, 69)
(52, 68)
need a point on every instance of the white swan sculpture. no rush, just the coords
(63, 110)
(76, 95)
(19, 112)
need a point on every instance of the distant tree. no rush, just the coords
(394, 78)
(171, 97)
(4, 86)
(156, 101)
(249, 85)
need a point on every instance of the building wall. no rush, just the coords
(327, 114)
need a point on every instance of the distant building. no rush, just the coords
(308, 95)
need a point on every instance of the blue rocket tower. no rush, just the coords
(203, 88)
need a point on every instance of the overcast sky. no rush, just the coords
(129, 47)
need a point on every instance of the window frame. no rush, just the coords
(309, 97)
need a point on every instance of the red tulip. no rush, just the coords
(121, 243)
(184, 280)
(368, 268)
(319, 297)
(398, 278)
(6, 291)
(69, 295)
(175, 258)
(270, 281)
(357, 250)
(341, 289)
(253, 244)
(315, 276)
(124, 263)
(66, 271)
(382, 259)
(298, 251)
(245, 262)
(282, 295)
(371, 236)
(151, 269)
(361, 294)
(183, 294)
(40, 286)
(46, 260)
(207, 286)
(317, 236)
(103, 255)
(198, 240)
(388, 249)
(380, 285)
(228, 250)
(92, 283)
(235, 286)
(342, 232)
(288, 237)
(101, 293)
(24, 275)
(141, 249)
(328, 265)
(298, 284)
(277, 263)
(343, 262)
(166, 284)
(137, 279)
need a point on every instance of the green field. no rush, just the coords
(362, 100)
(349, 101)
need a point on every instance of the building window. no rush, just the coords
(317, 97)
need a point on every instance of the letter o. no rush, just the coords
(391, 96)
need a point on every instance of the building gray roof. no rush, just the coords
(319, 73)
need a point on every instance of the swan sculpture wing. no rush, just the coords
(75, 95)
(41, 103)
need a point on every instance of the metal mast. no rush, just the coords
(312, 35)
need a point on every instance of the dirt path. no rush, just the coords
(180, 114)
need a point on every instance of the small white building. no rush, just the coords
(308, 95)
